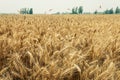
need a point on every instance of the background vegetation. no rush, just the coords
(26, 11)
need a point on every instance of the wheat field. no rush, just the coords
(59, 47)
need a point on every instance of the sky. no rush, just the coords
(44, 6)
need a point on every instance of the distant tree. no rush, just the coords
(80, 10)
(73, 10)
(111, 11)
(117, 11)
(76, 10)
(58, 13)
(96, 12)
(31, 11)
(106, 11)
(23, 11)
(26, 11)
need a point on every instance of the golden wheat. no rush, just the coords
(59, 47)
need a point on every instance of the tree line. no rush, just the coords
(79, 10)
(110, 11)
(26, 11)
(75, 10)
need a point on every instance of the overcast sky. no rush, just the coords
(41, 6)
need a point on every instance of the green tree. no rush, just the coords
(31, 11)
(106, 11)
(26, 11)
(57, 13)
(80, 10)
(96, 12)
(76, 10)
(73, 10)
(117, 11)
(111, 11)
(23, 11)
